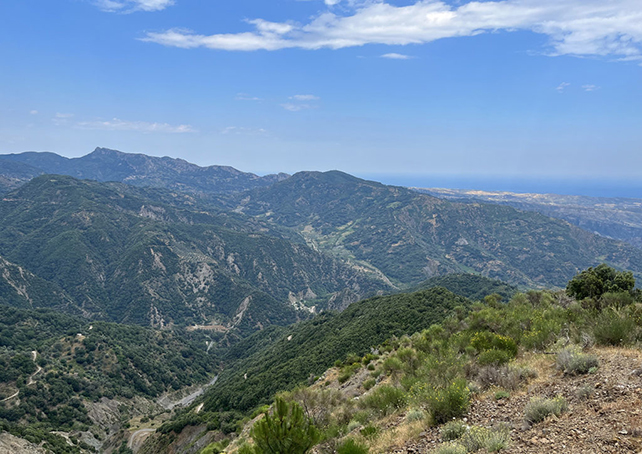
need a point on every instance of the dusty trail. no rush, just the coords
(30, 380)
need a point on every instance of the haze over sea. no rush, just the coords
(588, 186)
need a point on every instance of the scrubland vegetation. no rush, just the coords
(376, 402)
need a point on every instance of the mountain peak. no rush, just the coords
(105, 164)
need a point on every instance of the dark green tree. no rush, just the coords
(595, 282)
(286, 431)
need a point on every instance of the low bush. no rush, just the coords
(504, 377)
(492, 440)
(368, 384)
(499, 395)
(415, 415)
(369, 431)
(614, 328)
(484, 341)
(494, 357)
(385, 399)
(538, 409)
(350, 446)
(451, 448)
(445, 403)
(573, 362)
(453, 430)
(584, 392)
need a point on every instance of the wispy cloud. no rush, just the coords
(574, 27)
(62, 119)
(590, 87)
(138, 126)
(128, 6)
(243, 131)
(305, 98)
(395, 56)
(33, 112)
(246, 97)
(297, 107)
(561, 87)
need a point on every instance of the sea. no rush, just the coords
(585, 186)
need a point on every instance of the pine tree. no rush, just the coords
(286, 431)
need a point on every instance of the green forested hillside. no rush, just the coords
(278, 359)
(15, 174)
(135, 169)
(20, 288)
(471, 286)
(613, 217)
(127, 258)
(52, 363)
(410, 236)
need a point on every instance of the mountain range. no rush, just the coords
(135, 169)
(232, 253)
(613, 217)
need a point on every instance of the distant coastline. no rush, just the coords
(592, 186)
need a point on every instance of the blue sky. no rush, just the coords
(515, 87)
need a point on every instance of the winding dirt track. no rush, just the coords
(30, 380)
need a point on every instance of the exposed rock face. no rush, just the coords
(14, 445)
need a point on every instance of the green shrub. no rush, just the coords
(453, 430)
(415, 415)
(350, 446)
(498, 439)
(286, 430)
(352, 425)
(492, 440)
(362, 416)
(538, 409)
(613, 327)
(368, 384)
(446, 403)
(494, 357)
(215, 448)
(584, 392)
(451, 448)
(385, 399)
(369, 431)
(499, 395)
(392, 365)
(573, 362)
(485, 340)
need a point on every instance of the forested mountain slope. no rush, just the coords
(409, 237)
(136, 169)
(63, 373)
(613, 217)
(125, 258)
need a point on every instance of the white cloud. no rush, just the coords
(297, 107)
(561, 87)
(242, 131)
(246, 97)
(139, 126)
(574, 27)
(128, 6)
(64, 115)
(33, 112)
(590, 87)
(332, 2)
(305, 98)
(395, 56)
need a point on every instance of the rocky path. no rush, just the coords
(30, 380)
